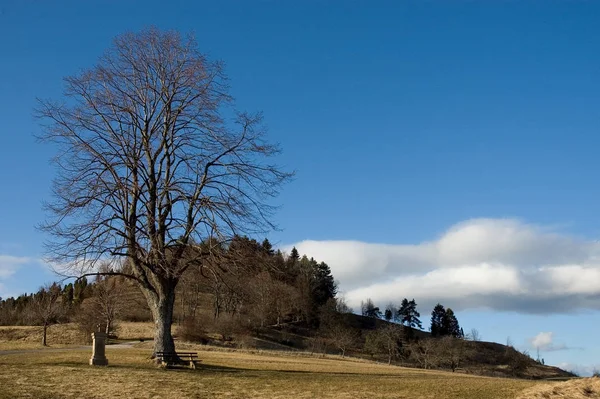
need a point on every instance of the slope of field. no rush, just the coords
(481, 358)
(234, 374)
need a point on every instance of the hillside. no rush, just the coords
(479, 358)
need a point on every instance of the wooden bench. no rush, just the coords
(172, 358)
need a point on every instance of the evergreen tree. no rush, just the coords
(294, 255)
(67, 294)
(323, 284)
(267, 247)
(369, 309)
(450, 325)
(388, 314)
(79, 290)
(438, 323)
(408, 314)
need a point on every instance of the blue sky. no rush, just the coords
(407, 122)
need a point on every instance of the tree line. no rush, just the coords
(243, 285)
(443, 321)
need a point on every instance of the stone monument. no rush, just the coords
(98, 354)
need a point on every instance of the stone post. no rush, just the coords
(98, 354)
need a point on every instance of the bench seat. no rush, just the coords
(170, 358)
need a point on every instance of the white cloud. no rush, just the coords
(542, 340)
(500, 264)
(10, 264)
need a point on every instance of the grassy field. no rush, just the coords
(30, 337)
(62, 335)
(233, 374)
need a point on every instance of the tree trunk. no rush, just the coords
(161, 305)
(182, 316)
(44, 334)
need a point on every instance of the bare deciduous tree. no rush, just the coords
(425, 352)
(386, 340)
(46, 308)
(108, 299)
(474, 335)
(336, 327)
(262, 298)
(342, 336)
(149, 166)
(451, 351)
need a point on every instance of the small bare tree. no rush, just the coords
(341, 335)
(262, 298)
(474, 335)
(108, 299)
(284, 299)
(451, 351)
(336, 327)
(425, 352)
(386, 340)
(150, 171)
(46, 308)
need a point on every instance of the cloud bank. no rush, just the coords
(498, 264)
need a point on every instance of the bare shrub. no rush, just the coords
(89, 320)
(192, 330)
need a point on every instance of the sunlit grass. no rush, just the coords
(233, 374)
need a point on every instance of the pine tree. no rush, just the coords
(67, 294)
(450, 325)
(438, 324)
(410, 315)
(369, 309)
(267, 247)
(390, 312)
(294, 255)
(79, 289)
(323, 284)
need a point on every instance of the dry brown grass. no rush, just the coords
(61, 335)
(137, 330)
(233, 374)
(581, 388)
(30, 337)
